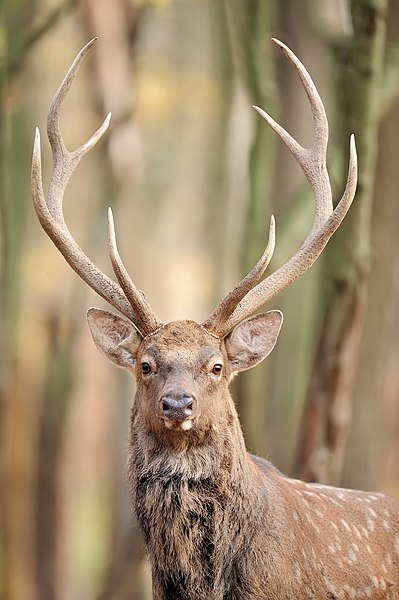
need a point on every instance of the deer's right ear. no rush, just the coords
(116, 338)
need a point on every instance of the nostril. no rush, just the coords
(177, 406)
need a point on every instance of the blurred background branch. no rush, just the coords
(16, 60)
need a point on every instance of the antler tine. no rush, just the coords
(50, 212)
(65, 162)
(304, 258)
(327, 220)
(146, 320)
(311, 160)
(216, 320)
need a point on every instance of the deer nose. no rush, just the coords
(177, 405)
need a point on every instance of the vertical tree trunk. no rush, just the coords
(16, 505)
(58, 381)
(329, 405)
(372, 460)
(266, 395)
(249, 32)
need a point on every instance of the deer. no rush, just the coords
(217, 522)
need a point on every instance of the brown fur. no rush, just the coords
(219, 523)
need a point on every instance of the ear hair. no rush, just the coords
(252, 340)
(115, 337)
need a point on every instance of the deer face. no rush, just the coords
(182, 370)
(180, 373)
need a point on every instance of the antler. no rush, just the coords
(124, 297)
(327, 220)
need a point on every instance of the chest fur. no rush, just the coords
(192, 534)
(181, 520)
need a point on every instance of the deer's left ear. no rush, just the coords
(252, 340)
(116, 338)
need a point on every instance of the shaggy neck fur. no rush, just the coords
(198, 508)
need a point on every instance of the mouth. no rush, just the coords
(175, 425)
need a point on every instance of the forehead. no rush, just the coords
(183, 340)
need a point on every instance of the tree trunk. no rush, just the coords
(328, 410)
(55, 396)
(16, 422)
(372, 460)
(252, 53)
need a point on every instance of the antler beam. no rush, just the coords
(326, 221)
(124, 297)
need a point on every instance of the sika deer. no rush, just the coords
(219, 523)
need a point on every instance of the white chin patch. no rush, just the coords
(186, 425)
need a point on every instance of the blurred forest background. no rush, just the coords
(192, 174)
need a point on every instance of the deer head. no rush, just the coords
(183, 368)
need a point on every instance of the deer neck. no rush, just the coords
(192, 456)
(200, 506)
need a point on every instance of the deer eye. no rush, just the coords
(145, 368)
(217, 369)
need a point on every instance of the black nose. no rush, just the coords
(177, 405)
